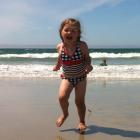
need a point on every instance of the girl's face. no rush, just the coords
(70, 34)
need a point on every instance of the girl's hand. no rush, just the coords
(56, 68)
(88, 69)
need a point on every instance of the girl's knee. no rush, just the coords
(62, 99)
(80, 104)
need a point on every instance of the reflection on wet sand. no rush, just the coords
(81, 137)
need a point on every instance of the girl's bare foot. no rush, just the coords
(81, 128)
(60, 120)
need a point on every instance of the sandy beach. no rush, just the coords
(29, 109)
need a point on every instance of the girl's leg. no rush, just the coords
(64, 93)
(80, 91)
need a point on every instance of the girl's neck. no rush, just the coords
(70, 45)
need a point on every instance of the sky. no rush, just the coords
(104, 22)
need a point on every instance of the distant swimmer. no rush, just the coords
(103, 62)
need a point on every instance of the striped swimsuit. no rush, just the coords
(73, 65)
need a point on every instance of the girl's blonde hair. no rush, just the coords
(72, 22)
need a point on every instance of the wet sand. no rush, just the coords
(29, 109)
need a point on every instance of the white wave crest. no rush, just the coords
(114, 55)
(30, 55)
(55, 55)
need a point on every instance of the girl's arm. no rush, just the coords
(58, 64)
(87, 58)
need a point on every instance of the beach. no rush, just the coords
(29, 108)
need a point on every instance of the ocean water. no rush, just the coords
(122, 63)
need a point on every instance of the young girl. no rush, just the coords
(76, 64)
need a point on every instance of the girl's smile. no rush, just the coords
(69, 37)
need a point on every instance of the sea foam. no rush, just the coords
(45, 71)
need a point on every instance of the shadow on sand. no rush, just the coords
(93, 129)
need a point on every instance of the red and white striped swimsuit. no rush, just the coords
(73, 65)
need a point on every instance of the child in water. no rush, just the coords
(76, 64)
(103, 62)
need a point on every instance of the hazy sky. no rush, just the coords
(104, 22)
